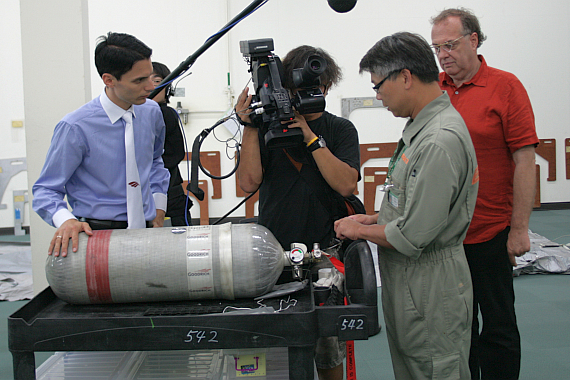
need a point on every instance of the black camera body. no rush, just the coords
(309, 98)
(272, 102)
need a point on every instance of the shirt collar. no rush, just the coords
(414, 126)
(479, 79)
(113, 111)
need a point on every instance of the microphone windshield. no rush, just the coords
(342, 6)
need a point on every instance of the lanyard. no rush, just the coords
(391, 166)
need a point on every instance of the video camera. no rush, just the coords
(272, 102)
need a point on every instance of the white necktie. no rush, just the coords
(135, 212)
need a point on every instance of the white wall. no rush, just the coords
(524, 37)
(55, 55)
(12, 140)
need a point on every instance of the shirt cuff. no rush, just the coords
(160, 201)
(61, 217)
(395, 237)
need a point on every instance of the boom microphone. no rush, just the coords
(342, 6)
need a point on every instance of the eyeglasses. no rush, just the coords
(377, 87)
(448, 46)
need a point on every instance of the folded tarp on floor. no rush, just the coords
(544, 257)
(15, 272)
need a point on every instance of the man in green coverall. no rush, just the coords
(428, 204)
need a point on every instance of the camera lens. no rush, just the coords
(308, 75)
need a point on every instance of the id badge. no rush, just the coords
(393, 199)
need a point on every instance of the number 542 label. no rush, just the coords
(351, 327)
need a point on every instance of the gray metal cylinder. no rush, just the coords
(168, 264)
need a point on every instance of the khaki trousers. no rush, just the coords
(428, 309)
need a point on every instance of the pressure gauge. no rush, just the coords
(297, 255)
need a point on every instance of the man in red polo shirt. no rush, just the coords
(499, 116)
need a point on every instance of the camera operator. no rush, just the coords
(302, 188)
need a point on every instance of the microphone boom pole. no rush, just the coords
(184, 66)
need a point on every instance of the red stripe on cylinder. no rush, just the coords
(97, 267)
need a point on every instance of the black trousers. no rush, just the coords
(177, 205)
(495, 347)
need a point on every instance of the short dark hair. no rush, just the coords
(163, 71)
(400, 51)
(116, 53)
(296, 59)
(469, 21)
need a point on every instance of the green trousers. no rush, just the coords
(428, 309)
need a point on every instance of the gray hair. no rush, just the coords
(469, 22)
(403, 50)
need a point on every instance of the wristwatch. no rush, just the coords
(318, 143)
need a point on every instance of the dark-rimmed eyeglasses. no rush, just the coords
(447, 46)
(377, 87)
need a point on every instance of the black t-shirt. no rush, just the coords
(291, 208)
(174, 151)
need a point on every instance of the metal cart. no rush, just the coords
(47, 323)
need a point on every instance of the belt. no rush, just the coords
(98, 224)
